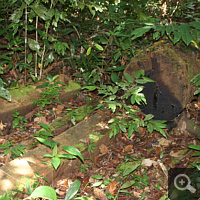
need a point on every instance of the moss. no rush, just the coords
(72, 86)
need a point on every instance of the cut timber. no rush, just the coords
(172, 69)
(15, 174)
(22, 95)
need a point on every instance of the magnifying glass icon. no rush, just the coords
(182, 182)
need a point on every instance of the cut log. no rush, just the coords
(172, 68)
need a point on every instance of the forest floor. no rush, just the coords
(106, 177)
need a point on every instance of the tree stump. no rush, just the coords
(172, 67)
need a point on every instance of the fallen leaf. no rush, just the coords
(112, 187)
(103, 149)
(164, 142)
(40, 119)
(96, 160)
(99, 194)
(2, 126)
(176, 154)
(148, 163)
(60, 107)
(128, 148)
(158, 150)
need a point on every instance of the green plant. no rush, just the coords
(19, 120)
(72, 115)
(91, 146)
(3, 92)
(55, 157)
(196, 82)
(195, 147)
(51, 92)
(16, 151)
(117, 95)
(83, 168)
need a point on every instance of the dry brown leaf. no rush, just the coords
(112, 187)
(164, 142)
(147, 162)
(40, 119)
(99, 194)
(7, 158)
(158, 150)
(103, 149)
(128, 148)
(2, 126)
(176, 154)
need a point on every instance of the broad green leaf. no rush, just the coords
(138, 73)
(81, 5)
(196, 154)
(84, 198)
(44, 141)
(112, 106)
(197, 92)
(194, 147)
(28, 1)
(148, 80)
(98, 176)
(28, 188)
(148, 117)
(92, 11)
(89, 51)
(114, 78)
(44, 192)
(73, 190)
(99, 47)
(112, 97)
(55, 162)
(96, 184)
(47, 155)
(116, 56)
(185, 33)
(196, 80)
(162, 133)
(122, 127)
(103, 40)
(45, 133)
(49, 78)
(90, 88)
(128, 77)
(130, 130)
(15, 17)
(150, 127)
(169, 29)
(33, 45)
(5, 94)
(133, 99)
(129, 170)
(160, 123)
(30, 58)
(55, 150)
(140, 31)
(156, 35)
(41, 11)
(74, 151)
(127, 184)
(195, 24)
(45, 126)
(66, 156)
(141, 81)
(113, 120)
(177, 37)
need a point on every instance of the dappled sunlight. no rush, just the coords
(6, 184)
(22, 167)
